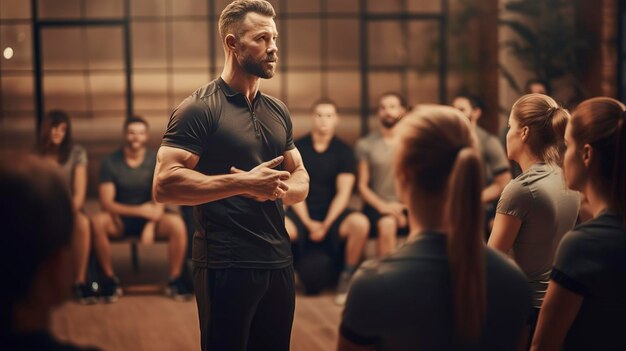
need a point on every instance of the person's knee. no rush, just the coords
(100, 221)
(172, 225)
(358, 225)
(82, 223)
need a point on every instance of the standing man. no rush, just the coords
(129, 210)
(324, 218)
(374, 154)
(497, 170)
(228, 149)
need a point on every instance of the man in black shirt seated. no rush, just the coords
(36, 259)
(126, 198)
(324, 218)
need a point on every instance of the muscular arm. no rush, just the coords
(79, 187)
(504, 232)
(176, 182)
(494, 190)
(558, 312)
(299, 181)
(345, 183)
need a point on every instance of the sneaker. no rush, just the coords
(342, 288)
(85, 294)
(178, 290)
(110, 289)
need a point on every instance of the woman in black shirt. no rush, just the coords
(585, 303)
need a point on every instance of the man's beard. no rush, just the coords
(389, 122)
(255, 67)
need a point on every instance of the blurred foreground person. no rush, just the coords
(36, 258)
(443, 289)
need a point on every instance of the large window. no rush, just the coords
(88, 53)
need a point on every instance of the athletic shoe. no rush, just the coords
(85, 294)
(342, 288)
(110, 289)
(178, 290)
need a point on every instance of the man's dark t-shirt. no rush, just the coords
(133, 186)
(404, 301)
(224, 129)
(591, 261)
(323, 169)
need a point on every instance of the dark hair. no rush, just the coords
(323, 101)
(599, 122)
(546, 121)
(37, 220)
(237, 10)
(399, 96)
(438, 157)
(536, 81)
(474, 101)
(44, 145)
(135, 119)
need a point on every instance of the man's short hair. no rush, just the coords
(474, 101)
(135, 119)
(323, 101)
(236, 11)
(399, 96)
(37, 221)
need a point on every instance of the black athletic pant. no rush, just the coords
(245, 309)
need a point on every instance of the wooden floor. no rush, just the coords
(144, 319)
(153, 322)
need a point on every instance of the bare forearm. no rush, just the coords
(491, 193)
(184, 186)
(370, 197)
(301, 210)
(298, 187)
(337, 206)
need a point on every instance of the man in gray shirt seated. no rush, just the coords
(374, 154)
(497, 170)
(129, 210)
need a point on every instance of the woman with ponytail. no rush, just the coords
(536, 209)
(443, 289)
(586, 299)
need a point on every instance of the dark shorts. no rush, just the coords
(332, 243)
(133, 226)
(374, 216)
(245, 309)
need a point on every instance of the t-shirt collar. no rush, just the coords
(230, 92)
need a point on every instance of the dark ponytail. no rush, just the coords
(465, 244)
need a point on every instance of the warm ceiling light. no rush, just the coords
(8, 53)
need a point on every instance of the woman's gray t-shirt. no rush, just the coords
(539, 198)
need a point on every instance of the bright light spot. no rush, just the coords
(8, 53)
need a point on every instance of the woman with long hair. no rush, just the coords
(443, 289)
(55, 143)
(536, 209)
(586, 298)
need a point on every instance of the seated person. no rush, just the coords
(55, 143)
(36, 258)
(443, 289)
(375, 176)
(324, 217)
(497, 171)
(126, 198)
